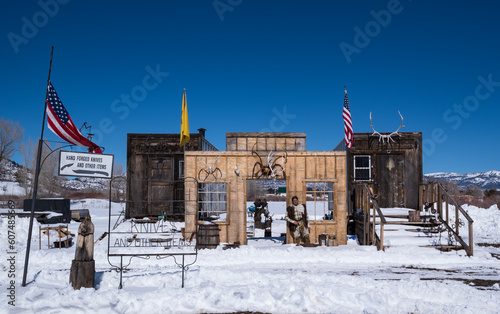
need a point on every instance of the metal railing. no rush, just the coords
(151, 237)
(434, 197)
(366, 218)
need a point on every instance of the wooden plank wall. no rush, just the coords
(247, 141)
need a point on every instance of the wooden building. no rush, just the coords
(390, 165)
(155, 172)
(221, 190)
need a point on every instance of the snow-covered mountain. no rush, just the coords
(485, 180)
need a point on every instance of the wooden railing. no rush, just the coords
(366, 219)
(434, 196)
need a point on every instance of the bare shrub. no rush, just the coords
(474, 191)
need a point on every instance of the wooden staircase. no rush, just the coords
(400, 230)
(425, 227)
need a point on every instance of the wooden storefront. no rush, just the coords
(392, 167)
(155, 178)
(237, 164)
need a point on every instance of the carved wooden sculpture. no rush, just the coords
(83, 266)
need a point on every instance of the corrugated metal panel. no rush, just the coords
(340, 147)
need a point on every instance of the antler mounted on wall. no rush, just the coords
(270, 168)
(388, 137)
(209, 170)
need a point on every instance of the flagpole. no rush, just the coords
(37, 172)
(184, 158)
(347, 172)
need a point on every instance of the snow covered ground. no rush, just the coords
(11, 188)
(264, 276)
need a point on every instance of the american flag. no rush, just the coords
(347, 122)
(59, 122)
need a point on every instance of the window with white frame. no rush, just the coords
(319, 196)
(213, 201)
(362, 168)
(181, 168)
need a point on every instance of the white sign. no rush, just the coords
(85, 165)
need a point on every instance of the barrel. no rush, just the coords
(208, 236)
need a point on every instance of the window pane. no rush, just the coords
(362, 174)
(212, 198)
(181, 169)
(362, 168)
(320, 200)
(361, 161)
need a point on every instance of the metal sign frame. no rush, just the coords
(147, 237)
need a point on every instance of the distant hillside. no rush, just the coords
(8, 170)
(484, 180)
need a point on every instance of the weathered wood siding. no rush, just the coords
(396, 168)
(153, 183)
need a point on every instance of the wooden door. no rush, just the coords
(160, 185)
(390, 180)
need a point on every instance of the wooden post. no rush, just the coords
(414, 216)
(382, 235)
(420, 197)
(59, 234)
(440, 200)
(471, 239)
(367, 216)
(372, 210)
(83, 266)
(447, 210)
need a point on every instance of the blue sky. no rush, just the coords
(251, 66)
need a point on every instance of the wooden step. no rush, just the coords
(444, 248)
(421, 230)
(409, 223)
(408, 217)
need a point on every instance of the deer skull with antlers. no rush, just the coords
(209, 170)
(388, 137)
(270, 167)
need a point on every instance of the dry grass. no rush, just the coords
(485, 202)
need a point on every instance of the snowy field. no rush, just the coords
(11, 188)
(264, 276)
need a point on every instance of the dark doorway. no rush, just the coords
(266, 208)
(160, 186)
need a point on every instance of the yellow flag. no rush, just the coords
(184, 121)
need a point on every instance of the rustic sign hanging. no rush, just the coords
(78, 164)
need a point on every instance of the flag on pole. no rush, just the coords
(59, 122)
(347, 122)
(184, 121)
